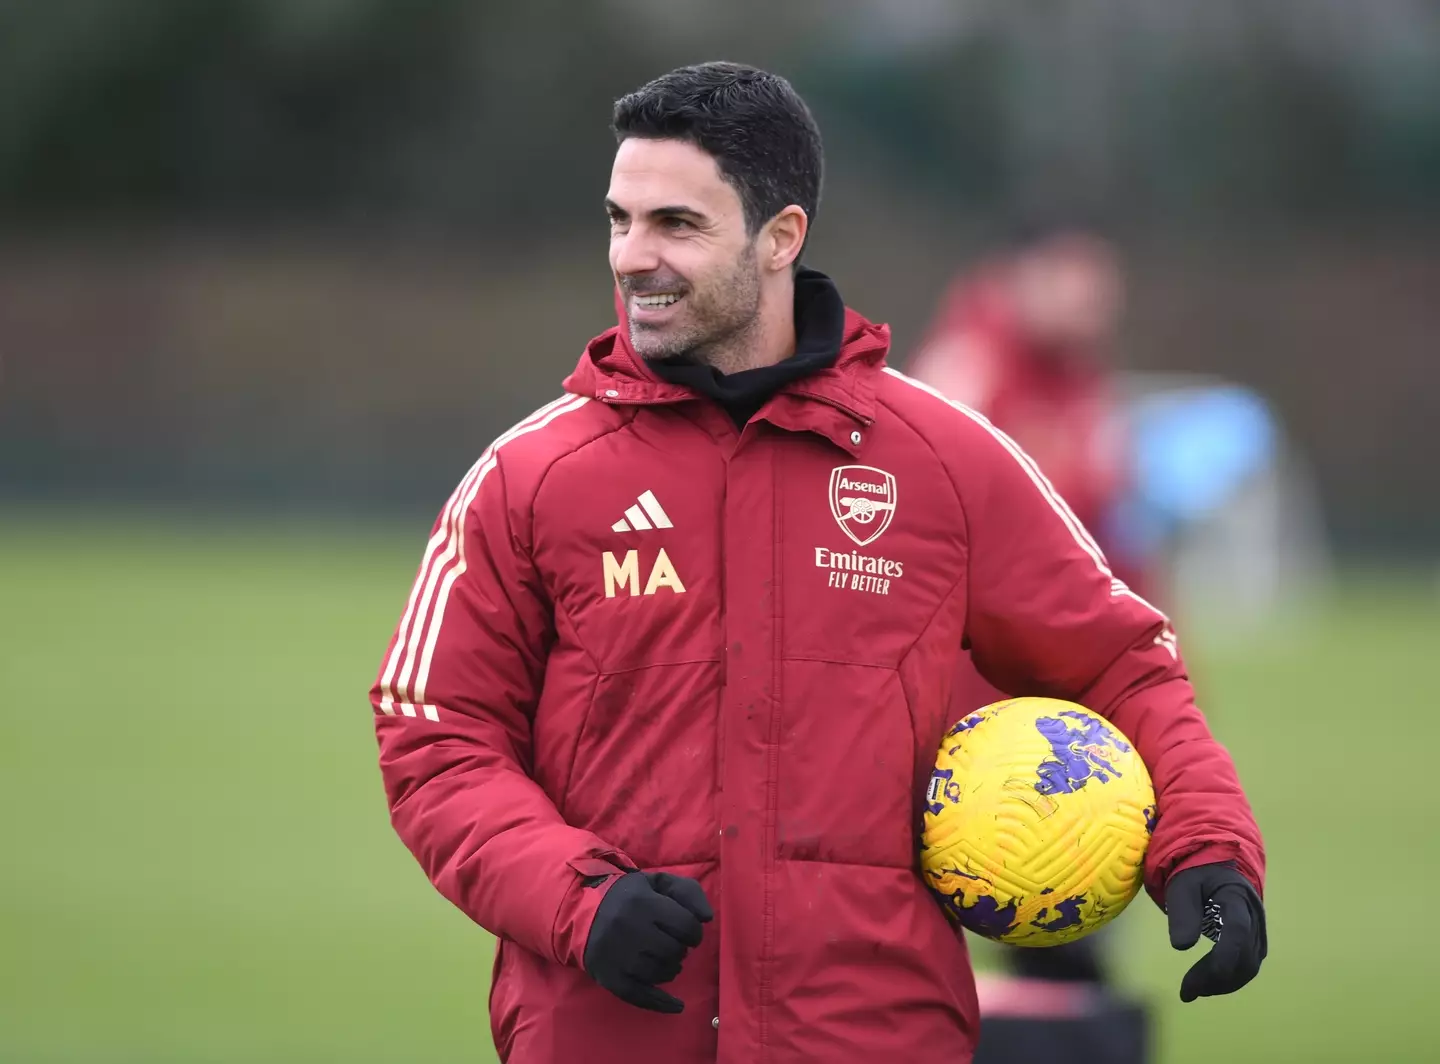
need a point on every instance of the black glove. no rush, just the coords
(1217, 901)
(645, 925)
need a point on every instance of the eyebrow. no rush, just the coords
(673, 210)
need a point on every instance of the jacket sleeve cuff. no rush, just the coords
(1207, 853)
(592, 879)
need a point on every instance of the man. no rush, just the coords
(1025, 339)
(660, 710)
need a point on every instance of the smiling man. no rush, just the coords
(662, 705)
(690, 271)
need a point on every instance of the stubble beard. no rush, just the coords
(721, 324)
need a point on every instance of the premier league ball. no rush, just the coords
(1037, 819)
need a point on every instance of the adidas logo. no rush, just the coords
(647, 513)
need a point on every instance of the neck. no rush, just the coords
(769, 339)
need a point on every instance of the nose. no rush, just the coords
(633, 252)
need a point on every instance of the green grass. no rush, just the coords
(200, 868)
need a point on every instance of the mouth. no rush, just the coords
(653, 305)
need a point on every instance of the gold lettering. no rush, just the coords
(663, 575)
(626, 573)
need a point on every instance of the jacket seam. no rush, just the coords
(1128, 695)
(458, 767)
(684, 860)
(558, 608)
(847, 864)
(554, 602)
(564, 802)
(563, 799)
(850, 404)
(657, 665)
(772, 798)
(910, 719)
(930, 621)
(931, 448)
(571, 452)
(841, 661)
(959, 501)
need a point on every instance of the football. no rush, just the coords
(1036, 822)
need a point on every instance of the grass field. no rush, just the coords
(199, 866)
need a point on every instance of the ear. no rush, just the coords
(784, 237)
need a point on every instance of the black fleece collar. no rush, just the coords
(819, 333)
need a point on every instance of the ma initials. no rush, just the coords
(626, 574)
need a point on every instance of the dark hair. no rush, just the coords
(758, 129)
(1033, 225)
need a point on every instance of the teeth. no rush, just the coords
(662, 300)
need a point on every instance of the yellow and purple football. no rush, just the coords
(1037, 819)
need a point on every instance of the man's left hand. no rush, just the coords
(1219, 902)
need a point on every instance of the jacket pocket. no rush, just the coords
(563, 804)
(500, 1003)
(643, 773)
(846, 775)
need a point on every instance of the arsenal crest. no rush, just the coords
(862, 498)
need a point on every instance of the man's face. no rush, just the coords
(679, 250)
(1069, 290)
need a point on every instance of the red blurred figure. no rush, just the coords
(1026, 339)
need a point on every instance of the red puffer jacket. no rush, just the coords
(641, 638)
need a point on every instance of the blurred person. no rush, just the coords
(1026, 339)
(662, 705)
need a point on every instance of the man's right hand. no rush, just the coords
(644, 926)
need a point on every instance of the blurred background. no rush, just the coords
(272, 273)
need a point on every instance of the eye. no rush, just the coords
(676, 224)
